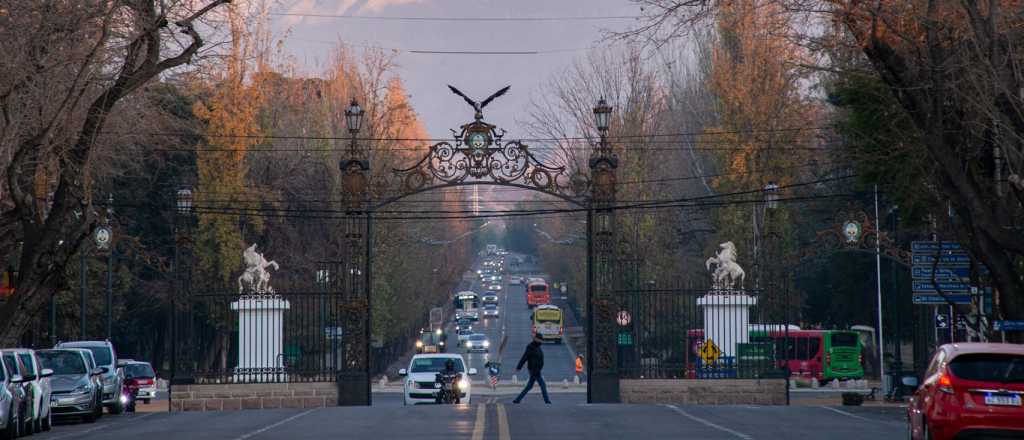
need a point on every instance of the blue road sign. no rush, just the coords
(1008, 326)
(924, 272)
(947, 286)
(933, 246)
(920, 298)
(948, 260)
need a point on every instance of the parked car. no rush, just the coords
(77, 387)
(970, 390)
(38, 378)
(420, 377)
(143, 375)
(15, 399)
(105, 356)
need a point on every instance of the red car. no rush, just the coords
(970, 390)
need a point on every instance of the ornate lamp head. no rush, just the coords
(184, 201)
(602, 116)
(354, 117)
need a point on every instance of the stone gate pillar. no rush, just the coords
(354, 372)
(603, 375)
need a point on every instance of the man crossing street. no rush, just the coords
(579, 368)
(533, 357)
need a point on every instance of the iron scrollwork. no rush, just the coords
(479, 154)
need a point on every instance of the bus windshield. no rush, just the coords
(844, 339)
(548, 315)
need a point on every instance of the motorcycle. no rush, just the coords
(129, 394)
(448, 389)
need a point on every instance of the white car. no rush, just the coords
(515, 281)
(494, 287)
(491, 311)
(420, 378)
(42, 419)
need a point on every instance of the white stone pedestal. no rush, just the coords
(260, 330)
(726, 319)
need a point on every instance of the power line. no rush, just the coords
(457, 19)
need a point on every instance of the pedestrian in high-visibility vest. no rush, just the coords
(579, 367)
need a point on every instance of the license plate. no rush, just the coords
(1002, 399)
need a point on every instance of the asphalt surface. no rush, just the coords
(515, 322)
(497, 418)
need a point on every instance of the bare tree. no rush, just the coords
(68, 65)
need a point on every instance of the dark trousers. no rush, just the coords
(529, 386)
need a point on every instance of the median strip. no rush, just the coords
(503, 431)
(478, 427)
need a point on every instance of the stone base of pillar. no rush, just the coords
(353, 389)
(604, 387)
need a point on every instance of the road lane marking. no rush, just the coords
(708, 423)
(103, 426)
(274, 425)
(478, 427)
(855, 416)
(503, 431)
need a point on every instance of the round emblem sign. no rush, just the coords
(477, 140)
(623, 318)
(102, 237)
(851, 230)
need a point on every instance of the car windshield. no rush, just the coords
(538, 288)
(62, 362)
(132, 371)
(434, 364)
(102, 354)
(477, 337)
(989, 367)
(11, 364)
(491, 307)
(27, 360)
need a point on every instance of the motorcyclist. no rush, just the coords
(450, 372)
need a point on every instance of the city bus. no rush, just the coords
(548, 323)
(537, 292)
(818, 354)
(467, 305)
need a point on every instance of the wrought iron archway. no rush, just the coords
(479, 155)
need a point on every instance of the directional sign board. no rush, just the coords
(942, 321)
(709, 352)
(936, 299)
(945, 286)
(925, 272)
(946, 260)
(934, 246)
(1008, 326)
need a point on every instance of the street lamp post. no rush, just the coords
(183, 199)
(602, 370)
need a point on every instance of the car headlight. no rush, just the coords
(487, 343)
(463, 384)
(419, 344)
(441, 343)
(81, 389)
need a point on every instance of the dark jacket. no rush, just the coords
(533, 357)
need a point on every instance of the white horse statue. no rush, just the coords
(727, 273)
(256, 275)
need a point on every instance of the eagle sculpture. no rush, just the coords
(479, 106)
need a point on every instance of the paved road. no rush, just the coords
(516, 324)
(497, 418)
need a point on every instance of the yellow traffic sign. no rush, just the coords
(709, 352)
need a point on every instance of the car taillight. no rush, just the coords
(945, 383)
(145, 381)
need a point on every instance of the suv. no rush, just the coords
(113, 380)
(38, 378)
(14, 412)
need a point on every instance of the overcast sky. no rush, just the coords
(426, 75)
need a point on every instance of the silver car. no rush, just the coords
(14, 400)
(38, 378)
(77, 388)
(113, 379)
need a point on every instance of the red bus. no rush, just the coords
(815, 354)
(537, 292)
